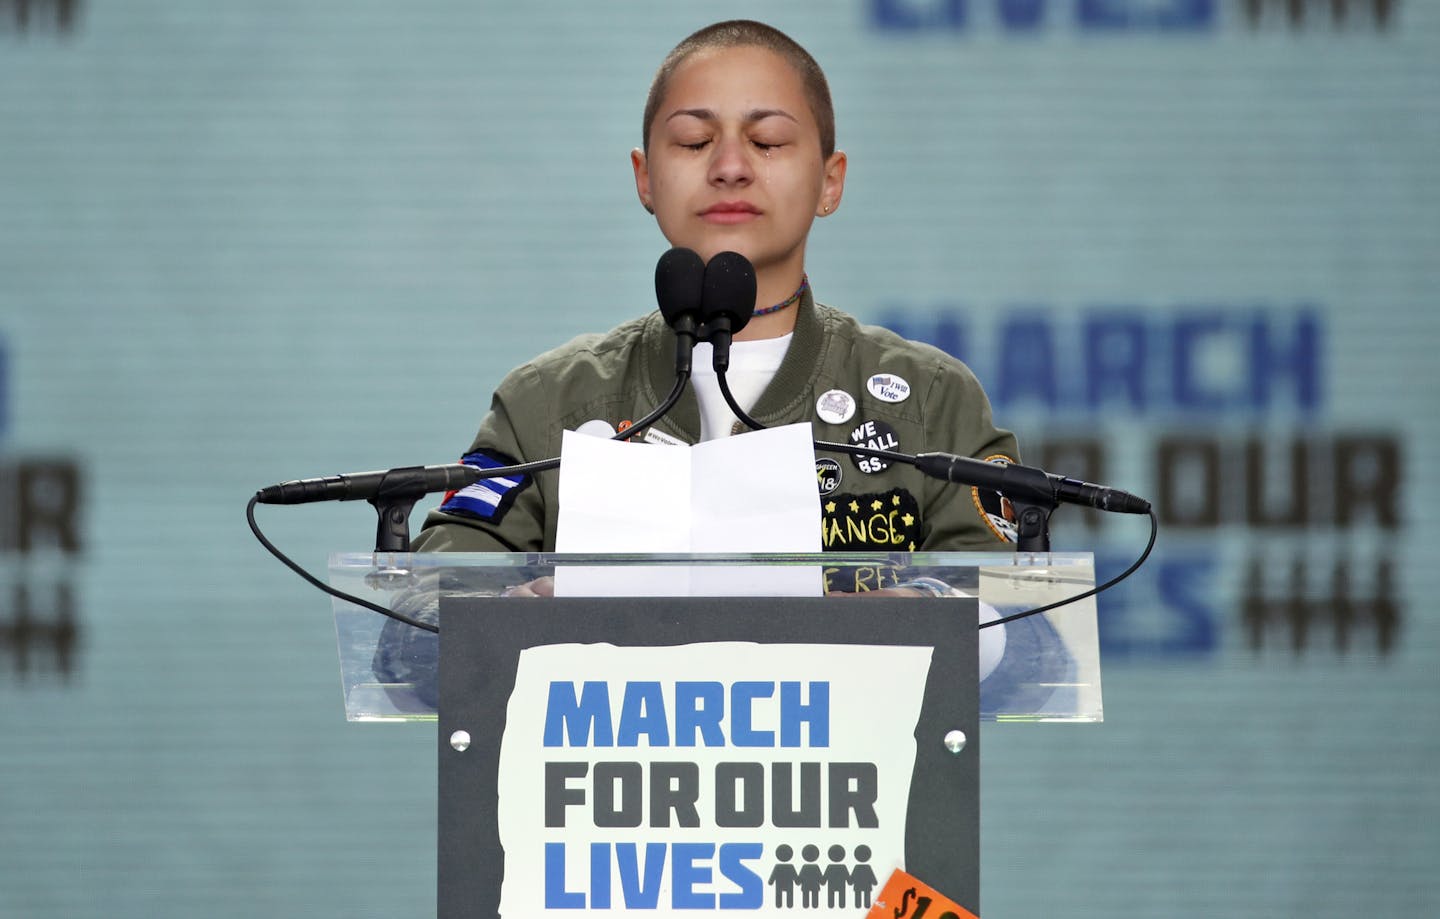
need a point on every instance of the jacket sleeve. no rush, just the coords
(508, 514)
(958, 420)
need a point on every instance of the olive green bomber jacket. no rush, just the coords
(856, 384)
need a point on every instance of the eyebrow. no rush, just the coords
(752, 116)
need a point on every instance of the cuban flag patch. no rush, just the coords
(487, 499)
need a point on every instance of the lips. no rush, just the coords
(729, 212)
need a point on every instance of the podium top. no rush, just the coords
(512, 560)
(1042, 668)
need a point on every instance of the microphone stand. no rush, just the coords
(393, 502)
(1034, 501)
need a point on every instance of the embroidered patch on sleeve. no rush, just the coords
(487, 499)
(993, 508)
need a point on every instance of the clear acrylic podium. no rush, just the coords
(718, 733)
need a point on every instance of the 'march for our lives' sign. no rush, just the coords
(664, 757)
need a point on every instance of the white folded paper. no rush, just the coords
(754, 492)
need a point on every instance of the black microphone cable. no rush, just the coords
(316, 582)
(500, 472)
(739, 412)
(542, 465)
(1094, 591)
(481, 474)
(849, 449)
(909, 460)
(658, 413)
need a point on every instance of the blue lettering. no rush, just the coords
(576, 720)
(733, 856)
(685, 874)
(1186, 586)
(699, 708)
(1102, 14)
(1197, 361)
(1181, 624)
(1027, 361)
(1115, 359)
(692, 869)
(640, 893)
(1193, 15)
(1298, 360)
(556, 896)
(599, 875)
(948, 332)
(643, 712)
(1196, 352)
(742, 695)
(951, 336)
(1021, 14)
(1031, 15)
(794, 713)
(903, 15)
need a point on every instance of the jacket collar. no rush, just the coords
(783, 401)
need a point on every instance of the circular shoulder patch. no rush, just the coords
(993, 507)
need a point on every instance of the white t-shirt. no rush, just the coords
(752, 366)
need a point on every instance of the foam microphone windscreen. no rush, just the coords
(729, 289)
(679, 280)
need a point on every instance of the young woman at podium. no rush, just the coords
(738, 153)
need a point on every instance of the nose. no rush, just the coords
(730, 163)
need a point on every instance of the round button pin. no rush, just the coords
(835, 406)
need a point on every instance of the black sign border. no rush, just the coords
(480, 653)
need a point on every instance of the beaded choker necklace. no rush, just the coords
(788, 301)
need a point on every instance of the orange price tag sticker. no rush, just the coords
(907, 897)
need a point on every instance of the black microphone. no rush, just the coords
(679, 284)
(727, 302)
(1026, 483)
(413, 481)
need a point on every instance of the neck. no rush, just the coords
(770, 289)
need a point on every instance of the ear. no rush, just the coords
(832, 186)
(642, 178)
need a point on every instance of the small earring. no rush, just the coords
(648, 208)
(826, 209)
